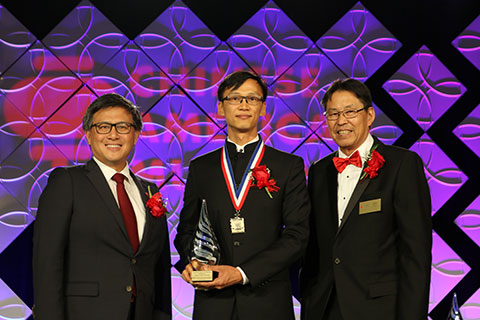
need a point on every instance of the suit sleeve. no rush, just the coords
(188, 217)
(290, 246)
(49, 243)
(412, 206)
(163, 291)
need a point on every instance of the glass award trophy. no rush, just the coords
(205, 247)
(454, 313)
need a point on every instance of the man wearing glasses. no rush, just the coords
(368, 255)
(258, 206)
(99, 253)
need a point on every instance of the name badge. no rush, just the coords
(370, 206)
(237, 225)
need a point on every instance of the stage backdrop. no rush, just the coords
(172, 70)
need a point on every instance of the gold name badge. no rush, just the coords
(370, 206)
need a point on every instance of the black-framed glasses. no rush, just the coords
(349, 114)
(106, 127)
(237, 99)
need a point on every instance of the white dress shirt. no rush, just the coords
(132, 191)
(348, 179)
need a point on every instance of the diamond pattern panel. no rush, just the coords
(281, 128)
(447, 270)
(217, 141)
(269, 42)
(469, 131)
(424, 87)
(443, 176)
(13, 218)
(133, 75)
(12, 306)
(85, 39)
(37, 84)
(175, 128)
(15, 39)
(25, 172)
(469, 221)
(468, 42)
(177, 41)
(471, 308)
(14, 127)
(358, 43)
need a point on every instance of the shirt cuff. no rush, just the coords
(244, 276)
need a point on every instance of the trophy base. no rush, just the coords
(203, 276)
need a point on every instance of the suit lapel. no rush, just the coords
(332, 180)
(98, 180)
(148, 216)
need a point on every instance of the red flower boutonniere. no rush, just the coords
(374, 162)
(156, 204)
(261, 179)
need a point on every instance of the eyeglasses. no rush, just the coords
(106, 127)
(236, 100)
(349, 114)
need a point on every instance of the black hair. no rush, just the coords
(111, 100)
(236, 79)
(359, 89)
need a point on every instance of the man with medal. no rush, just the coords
(258, 209)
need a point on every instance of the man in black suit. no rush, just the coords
(99, 253)
(261, 224)
(369, 253)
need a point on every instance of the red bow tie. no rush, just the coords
(342, 163)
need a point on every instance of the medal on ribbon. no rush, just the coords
(239, 194)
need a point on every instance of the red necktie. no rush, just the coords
(127, 211)
(342, 163)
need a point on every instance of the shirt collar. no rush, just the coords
(363, 150)
(108, 172)
(241, 148)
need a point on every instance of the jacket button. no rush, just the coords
(134, 261)
(337, 261)
(236, 243)
(128, 288)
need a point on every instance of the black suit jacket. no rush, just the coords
(276, 236)
(83, 261)
(379, 262)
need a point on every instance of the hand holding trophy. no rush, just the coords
(205, 247)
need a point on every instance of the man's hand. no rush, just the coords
(187, 272)
(227, 276)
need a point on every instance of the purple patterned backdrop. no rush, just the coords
(172, 71)
(468, 42)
